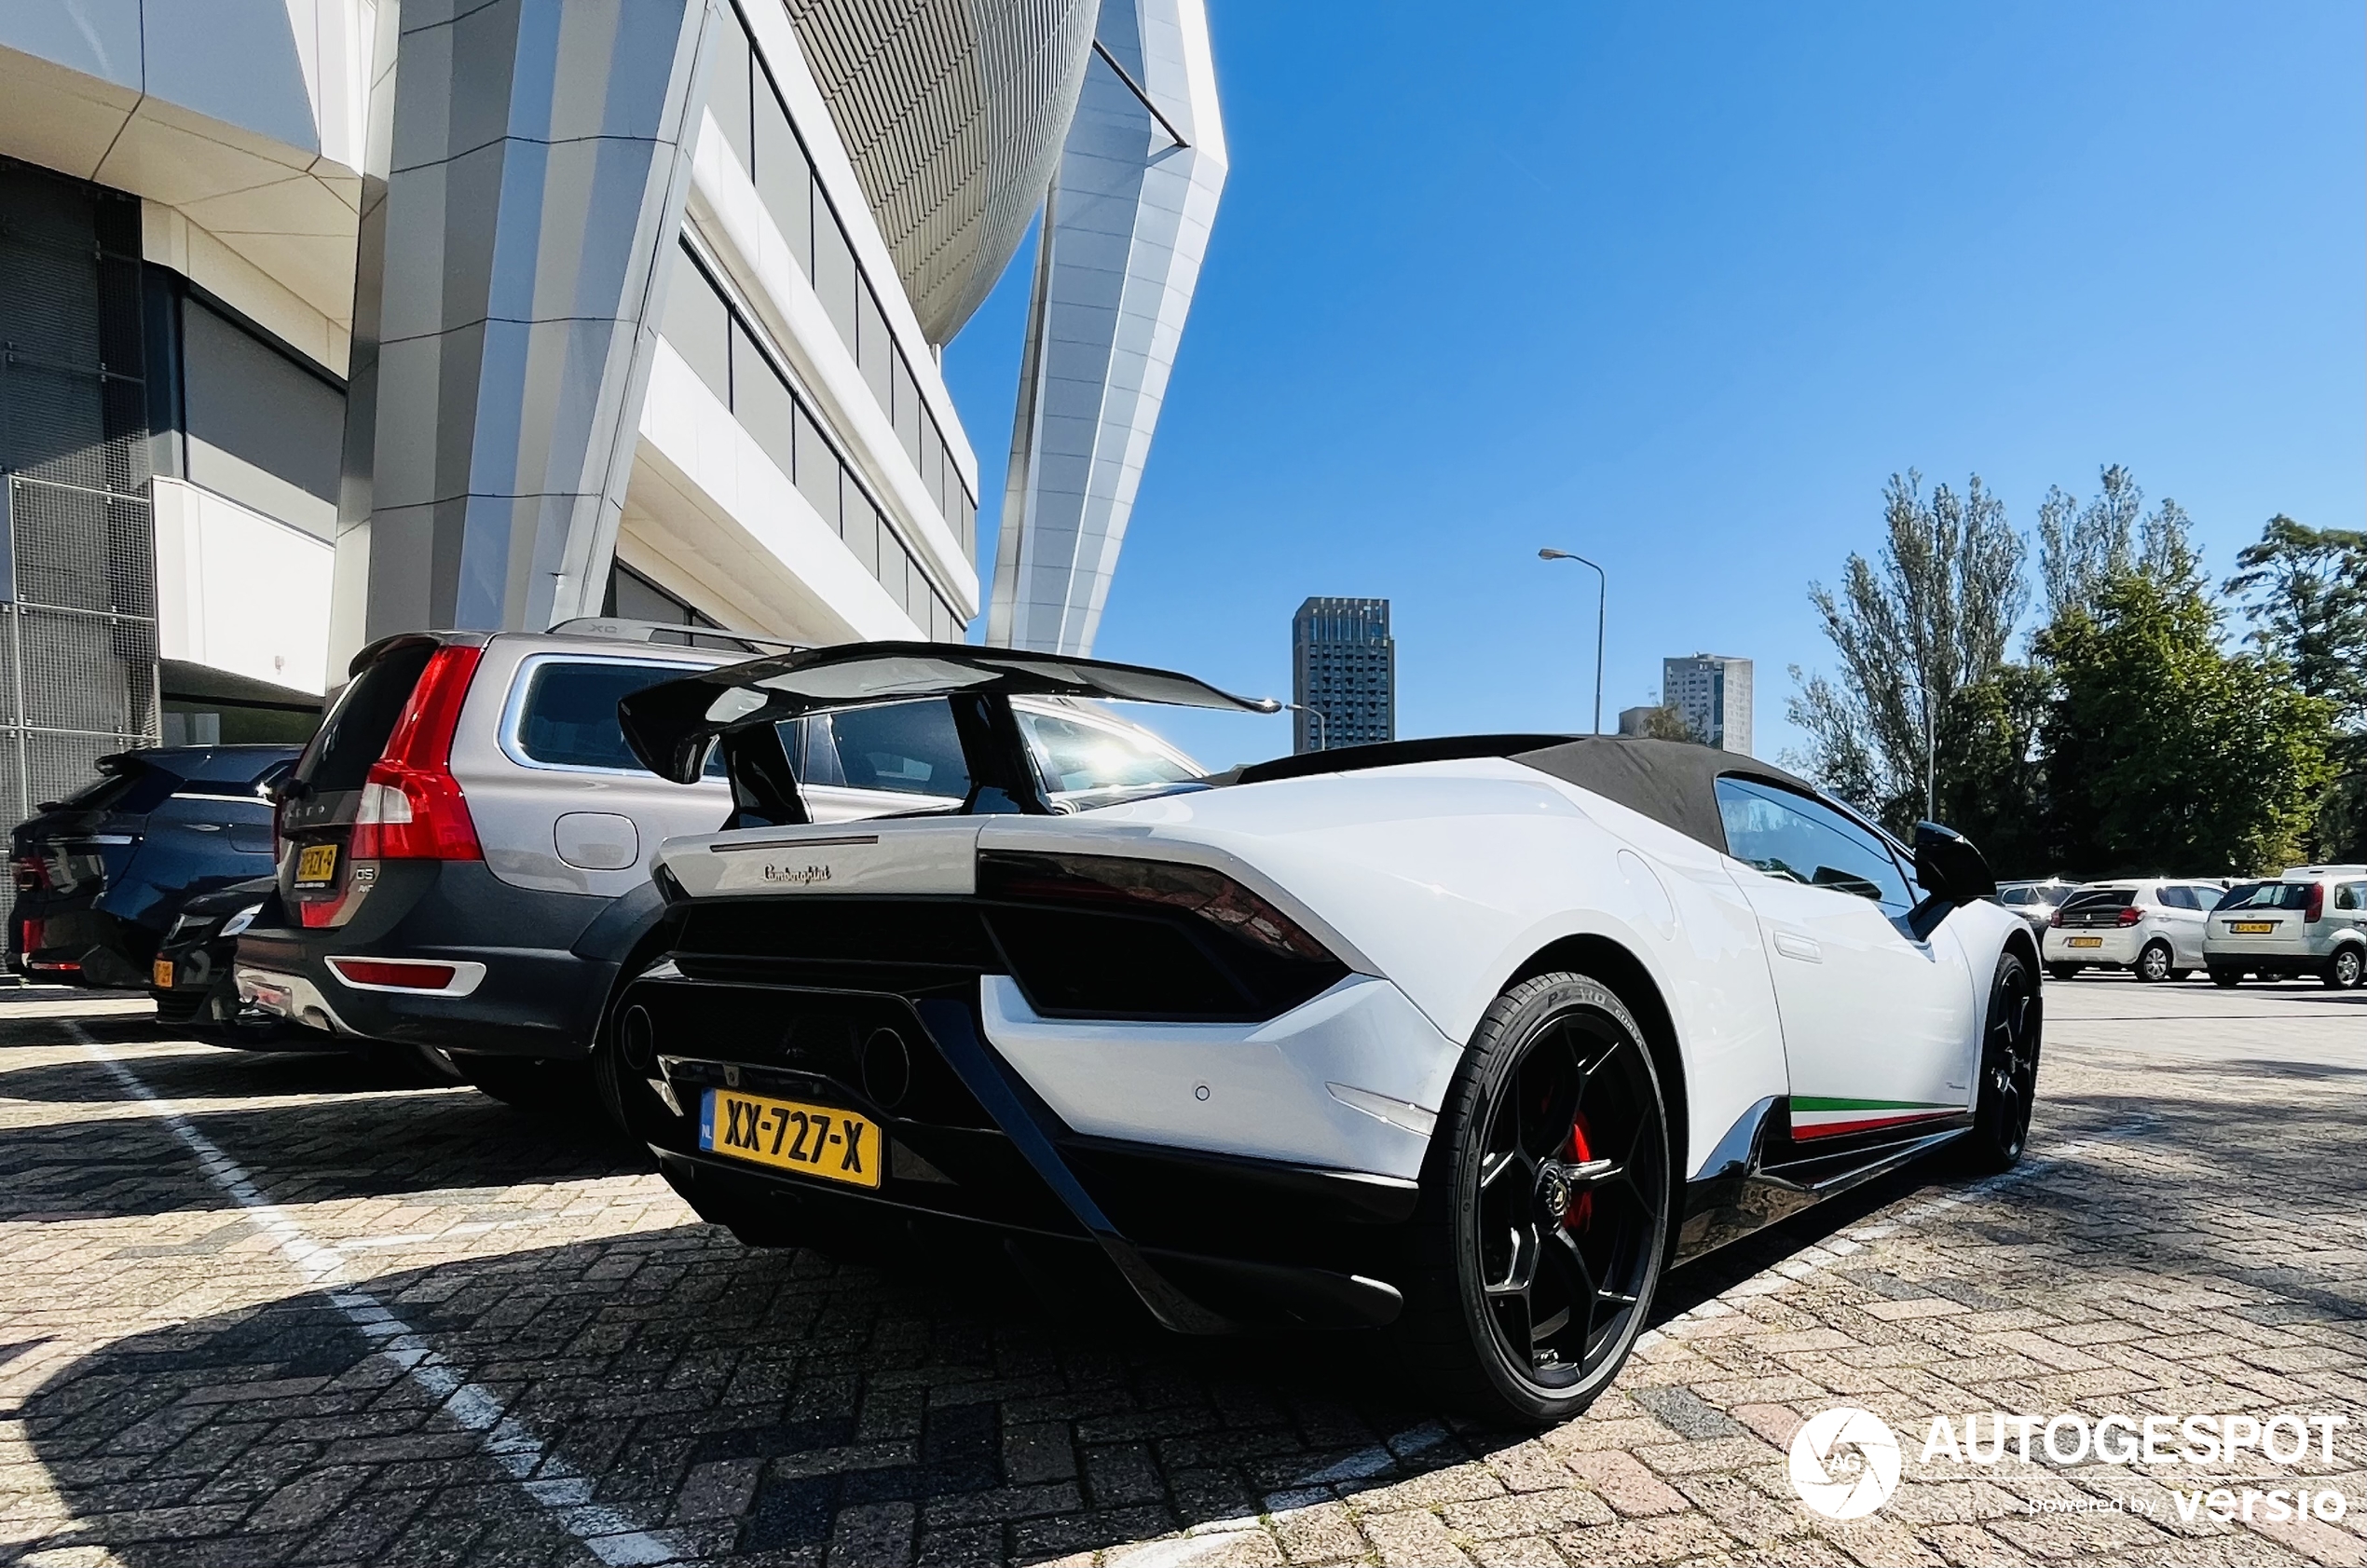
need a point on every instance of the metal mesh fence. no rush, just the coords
(77, 552)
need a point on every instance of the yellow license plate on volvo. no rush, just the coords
(316, 865)
(790, 1134)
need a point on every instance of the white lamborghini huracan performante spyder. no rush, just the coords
(1466, 1040)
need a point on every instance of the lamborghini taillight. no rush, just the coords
(1115, 936)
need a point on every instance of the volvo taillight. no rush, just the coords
(411, 806)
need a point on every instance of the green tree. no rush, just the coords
(2081, 549)
(1667, 722)
(1930, 620)
(1993, 781)
(2307, 589)
(2307, 602)
(2162, 751)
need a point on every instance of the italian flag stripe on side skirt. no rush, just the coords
(1815, 1116)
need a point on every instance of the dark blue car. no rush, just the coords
(101, 875)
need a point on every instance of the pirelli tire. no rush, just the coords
(2012, 1032)
(1543, 1223)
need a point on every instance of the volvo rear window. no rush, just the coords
(355, 733)
(2268, 895)
(568, 717)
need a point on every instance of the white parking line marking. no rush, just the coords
(610, 1534)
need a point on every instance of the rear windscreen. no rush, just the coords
(2268, 895)
(133, 788)
(355, 733)
(2103, 898)
(568, 718)
(226, 775)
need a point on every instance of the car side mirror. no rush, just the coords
(1950, 867)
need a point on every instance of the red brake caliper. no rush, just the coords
(1577, 1151)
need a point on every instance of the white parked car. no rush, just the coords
(1469, 1038)
(2036, 901)
(2311, 920)
(2151, 927)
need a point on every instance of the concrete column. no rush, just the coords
(526, 167)
(1125, 226)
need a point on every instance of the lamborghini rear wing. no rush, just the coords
(673, 726)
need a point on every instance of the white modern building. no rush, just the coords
(1713, 692)
(330, 319)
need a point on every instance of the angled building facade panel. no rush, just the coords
(493, 314)
(1126, 226)
(535, 177)
(952, 112)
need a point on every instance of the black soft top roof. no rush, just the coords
(1671, 782)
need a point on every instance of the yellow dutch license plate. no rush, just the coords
(2086, 942)
(789, 1135)
(161, 972)
(316, 865)
(2253, 928)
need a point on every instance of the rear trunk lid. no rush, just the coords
(321, 879)
(913, 855)
(2096, 911)
(2265, 919)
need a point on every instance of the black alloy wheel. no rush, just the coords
(2345, 968)
(2152, 964)
(1549, 1192)
(2010, 1040)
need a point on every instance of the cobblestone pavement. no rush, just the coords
(265, 1309)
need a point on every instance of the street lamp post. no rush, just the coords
(1322, 726)
(1602, 602)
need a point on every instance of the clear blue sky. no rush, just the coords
(1678, 286)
